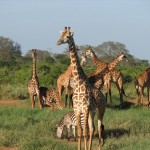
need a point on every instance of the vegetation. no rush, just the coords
(26, 129)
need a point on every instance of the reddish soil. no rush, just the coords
(13, 103)
(4, 148)
(135, 101)
(19, 103)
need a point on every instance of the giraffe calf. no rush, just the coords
(50, 96)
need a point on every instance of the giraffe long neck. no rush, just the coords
(114, 63)
(96, 60)
(34, 76)
(77, 70)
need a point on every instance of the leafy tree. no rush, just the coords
(42, 55)
(62, 58)
(9, 48)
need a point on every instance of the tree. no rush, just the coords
(42, 55)
(9, 49)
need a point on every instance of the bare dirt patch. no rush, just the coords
(13, 103)
(6, 148)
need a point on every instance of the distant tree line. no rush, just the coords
(16, 70)
(10, 51)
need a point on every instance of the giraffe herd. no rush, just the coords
(85, 91)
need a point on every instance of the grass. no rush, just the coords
(27, 129)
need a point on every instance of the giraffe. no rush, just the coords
(142, 81)
(106, 73)
(63, 82)
(86, 98)
(50, 96)
(33, 85)
(116, 77)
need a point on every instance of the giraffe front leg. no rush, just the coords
(91, 128)
(79, 129)
(39, 99)
(100, 128)
(32, 100)
(148, 95)
(85, 128)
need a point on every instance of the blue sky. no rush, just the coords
(36, 23)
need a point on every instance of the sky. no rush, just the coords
(37, 23)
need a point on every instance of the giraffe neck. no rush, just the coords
(114, 63)
(96, 60)
(77, 70)
(34, 76)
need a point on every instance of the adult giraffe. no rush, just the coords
(86, 98)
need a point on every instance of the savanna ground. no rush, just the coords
(24, 128)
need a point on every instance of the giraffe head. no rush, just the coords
(122, 56)
(89, 52)
(66, 36)
(33, 53)
(83, 59)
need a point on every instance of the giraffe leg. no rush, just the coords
(79, 129)
(66, 97)
(109, 89)
(85, 129)
(32, 100)
(111, 105)
(100, 129)
(60, 90)
(39, 98)
(148, 95)
(140, 95)
(91, 128)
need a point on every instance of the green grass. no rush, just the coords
(28, 129)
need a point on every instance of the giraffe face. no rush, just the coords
(122, 56)
(83, 59)
(66, 36)
(89, 52)
(33, 53)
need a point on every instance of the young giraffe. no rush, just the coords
(106, 73)
(33, 85)
(50, 96)
(63, 82)
(86, 98)
(141, 82)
